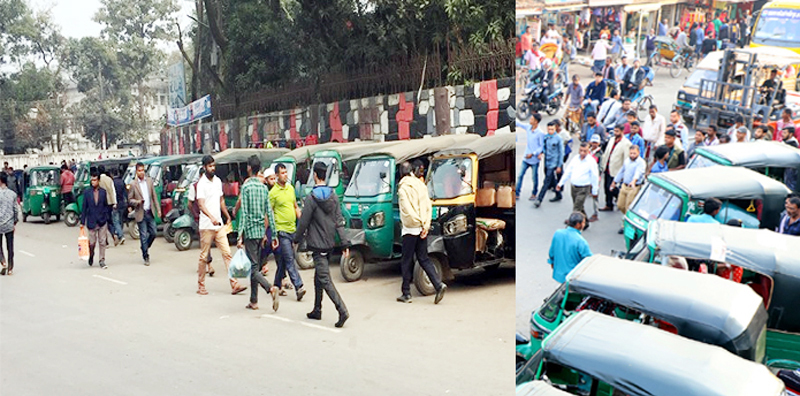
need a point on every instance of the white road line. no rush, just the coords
(109, 279)
(26, 253)
(302, 323)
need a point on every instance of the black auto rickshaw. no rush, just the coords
(43, 194)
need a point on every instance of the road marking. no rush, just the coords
(302, 323)
(26, 253)
(110, 280)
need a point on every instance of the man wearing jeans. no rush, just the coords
(583, 174)
(283, 201)
(9, 215)
(533, 154)
(553, 159)
(415, 215)
(630, 179)
(255, 220)
(211, 202)
(144, 204)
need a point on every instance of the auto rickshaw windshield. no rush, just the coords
(450, 178)
(370, 178)
(656, 202)
(154, 172)
(701, 161)
(44, 178)
(333, 174)
(190, 175)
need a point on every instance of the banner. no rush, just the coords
(197, 110)
(177, 85)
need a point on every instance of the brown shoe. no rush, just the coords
(238, 289)
(593, 218)
(606, 209)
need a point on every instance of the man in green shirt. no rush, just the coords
(256, 218)
(285, 211)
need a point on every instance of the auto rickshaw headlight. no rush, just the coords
(377, 220)
(681, 95)
(456, 226)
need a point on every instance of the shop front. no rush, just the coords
(564, 16)
(602, 16)
(638, 20)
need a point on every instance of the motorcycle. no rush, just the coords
(531, 101)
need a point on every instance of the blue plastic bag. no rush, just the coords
(240, 265)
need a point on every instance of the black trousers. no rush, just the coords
(9, 236)
(323, 282)
(252, 248)
(610, 194)
(413, 245)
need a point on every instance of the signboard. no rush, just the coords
(177, 85)
(195, 111)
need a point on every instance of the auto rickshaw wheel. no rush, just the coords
(71, 219)
(46, 217)
(352, 266)
(421, 280)
(169, 233)
(183, 239)
(133, 230)
(303, 259)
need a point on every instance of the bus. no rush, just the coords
(778, 25)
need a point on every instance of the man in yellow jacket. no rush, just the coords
(415, 214)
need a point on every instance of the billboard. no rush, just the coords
(177, 85)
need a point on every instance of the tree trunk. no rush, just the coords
(441, 108)
(213, 23)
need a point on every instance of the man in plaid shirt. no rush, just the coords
(255, 220)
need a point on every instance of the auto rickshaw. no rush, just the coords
(747, 195)
(72, 212)
(772, 159)
(703, 308)
(43, 194)
(370, 201)
(180, 201)
(596, 354)
(231, 167)
(298, 162)
(471, 189)
(770, 263)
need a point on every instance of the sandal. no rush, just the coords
(238, 289)
(210, 270)
(252, 306)
(275, 301)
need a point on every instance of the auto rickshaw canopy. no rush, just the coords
(408, 149)
(704, 308)
(539, 388)
(763, 251)
(725, 182)
(487, 146)
(647, 361)
(756, 154)
(177, 159)
(301, 154)
(45, 168)
(236, 155)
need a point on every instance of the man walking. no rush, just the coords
(94, 216)
(256, 218)
(568, 248)
(283, 201)
(582, 172)
(553, 160)
(653, 130)
(67, 181)
(144, 204)
(320, 222)
(630, 179)
(533, 155)
(9, 216)
(121, 211)
(613, 158)
(212, 205)
(415, 216)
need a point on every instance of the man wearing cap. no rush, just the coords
(582, 172)
(741, 135)
(677, 158)
(739, 123)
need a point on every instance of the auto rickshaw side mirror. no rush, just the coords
(383, 175)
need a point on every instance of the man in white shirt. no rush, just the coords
(534, 57)
(212, 204)
(653, 130)
(599, 53)
(682, 132)
(583, 173)
(609, 109)
(739, 123)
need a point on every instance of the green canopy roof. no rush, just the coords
(235, 155)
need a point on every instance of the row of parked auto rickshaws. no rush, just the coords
(753, 318)
(469, 179)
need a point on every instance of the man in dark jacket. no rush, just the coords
(321, 219)
(119, 214)
(95, 216)
(633, 80)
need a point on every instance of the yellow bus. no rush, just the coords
(778, 25)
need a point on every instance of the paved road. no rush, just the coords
(535, 227)
(70, 329)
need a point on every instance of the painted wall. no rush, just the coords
(484, 108)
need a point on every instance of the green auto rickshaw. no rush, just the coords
(770, 265)
(370, 201)
(72, 212)
(231, 168)
(777, 160)
(746, 195)
(703, 308)
(298, 164)
(43, 194)
(596, 354)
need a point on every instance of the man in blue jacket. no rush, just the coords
(595, 94)
(95, 216)
(553, 160)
